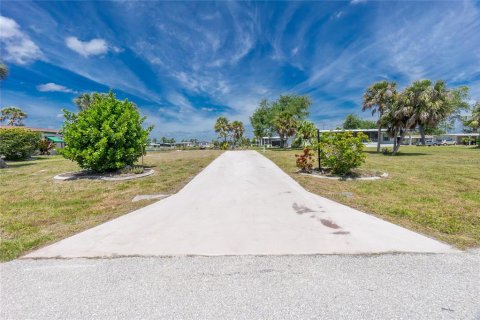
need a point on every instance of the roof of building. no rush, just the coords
(459, 135)
(45, 130)
(55, 139)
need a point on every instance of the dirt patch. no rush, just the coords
(357, 175)
(112, 176)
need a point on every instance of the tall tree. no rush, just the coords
(285, 125)
(297, 106)
(13, 115)
(377, 98)
(3, 71)
(261, 120)
(222, 127)
(237, 129)
(264, 117)
(431, 104)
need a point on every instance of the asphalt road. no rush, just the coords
(242, 204)
(388, 286)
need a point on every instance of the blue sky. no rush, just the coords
(186, 63)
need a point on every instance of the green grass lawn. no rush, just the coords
(433, 190)
(36, 210)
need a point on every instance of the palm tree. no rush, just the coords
(3, 76)
(286, 125)
(398, 119)
(3, 71)
(306, 130)
(83, 101)
(474, 120)
(222, 127)
(237, 129)
(378, 98)
(14, 116)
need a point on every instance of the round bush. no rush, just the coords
(342, 151)
(106, 136)
(18, 143)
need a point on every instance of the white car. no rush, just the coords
(448, 142)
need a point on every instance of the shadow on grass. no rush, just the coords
(19, 164)
(285, 149)
(28, 162)
(400, 153)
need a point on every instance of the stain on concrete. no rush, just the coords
(266, 270)
(341, 232)
(300, 209)
(329, 224)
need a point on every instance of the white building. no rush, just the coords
(372, 135)
(411, 138)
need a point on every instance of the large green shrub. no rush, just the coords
(18, 143)
(106, 136)
(342, 151)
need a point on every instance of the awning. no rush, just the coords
(55, 139)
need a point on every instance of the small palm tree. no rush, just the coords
(474, 120)
(13, 115)
(307, 131)
(222, 127)
(378, 98)
(237, 129)
(286, 125)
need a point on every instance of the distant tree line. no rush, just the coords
(354, 122)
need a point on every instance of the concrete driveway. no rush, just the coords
(242, 204)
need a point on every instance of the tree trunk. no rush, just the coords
(3, 164)
(399, 142)
(422, 134)
(378, 137)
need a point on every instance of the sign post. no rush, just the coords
(318, 150)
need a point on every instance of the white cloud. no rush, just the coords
(357, 1)
(87, 48)
(53, 87)
(18, 48)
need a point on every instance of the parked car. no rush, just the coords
(448, 142)
(428, 143)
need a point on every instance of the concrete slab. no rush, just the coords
(242, 204)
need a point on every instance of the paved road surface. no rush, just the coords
(242, 204)
(386, 286)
